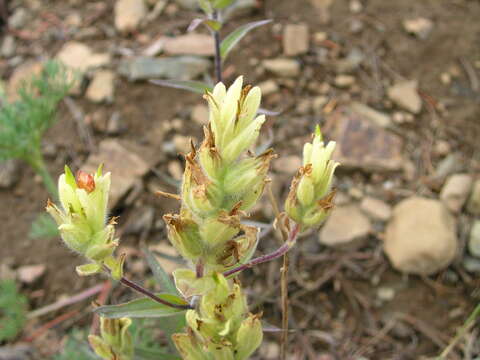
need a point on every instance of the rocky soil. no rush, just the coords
(395, 269)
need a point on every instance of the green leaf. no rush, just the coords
(206, 6)
(193, 86)
(235, 36)
(151, 354)
(44, 227)
(144, 307)
(161, 277)
(210, 23)
(221, 4)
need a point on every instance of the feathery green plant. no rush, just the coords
(13, 306)
(24, 122)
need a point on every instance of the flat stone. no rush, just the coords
(8, 46)
(405, 95)
(376, 117)
(474, 239)
(102, 87)
(79, 56)
(10, 171)
(473, 205)
(126, 167)
(350, 63)
(455, 191)
(287, 164)
(295, 39)
(268, 87)
(200, 114)
(345, 224)
(129, 14)
(420, 27)
(361, 144)
(29, 273)
(182, 143)
(190, 44)
(376, 208)
(421, 236)
(19, 18)
(344, 81)
(22, 74)
(181, 68)
(282, 67)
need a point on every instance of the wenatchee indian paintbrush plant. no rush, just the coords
(221, 182)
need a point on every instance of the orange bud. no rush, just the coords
(85, 181)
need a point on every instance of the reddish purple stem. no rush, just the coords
(292, 237)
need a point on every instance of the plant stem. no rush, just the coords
(38, 164)
(151, 295)
(284, 290)
(292, 238)
(461, 333)
(218, 55)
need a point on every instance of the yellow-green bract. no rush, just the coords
(82, 220)
(310, 198)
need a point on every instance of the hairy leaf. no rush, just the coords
(144, 307)
(193, 86)
(161, 277)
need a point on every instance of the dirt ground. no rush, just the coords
(335, 306)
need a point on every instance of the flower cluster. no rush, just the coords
(114, 342)
(221, 328)
(311, 198)
(82, 220)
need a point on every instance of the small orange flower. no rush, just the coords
(85, 181)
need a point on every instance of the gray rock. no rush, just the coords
(282, 67)
(18, 19)
(455, 191)
(447, 166)
(129, 14)
(8, 46)
(10, 171)
(474, 239)
(350, 63)
(406, 96)
(472, 265)
(181, 68)
(376, 117)
(473, 205)
(421, 236)
(345, 224)
(16, 352)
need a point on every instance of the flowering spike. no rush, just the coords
(311, 199)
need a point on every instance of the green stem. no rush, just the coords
(38, 164)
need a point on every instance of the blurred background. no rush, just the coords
(392, 274)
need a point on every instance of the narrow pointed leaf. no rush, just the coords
(193, 86)
(144, 307)
(221, 4)
(235, 36)
(161, 277)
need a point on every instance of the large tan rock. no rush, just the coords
(420, 237)
(129, 14)
(345, 224)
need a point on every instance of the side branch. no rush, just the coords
(292, 238)
(151, 295)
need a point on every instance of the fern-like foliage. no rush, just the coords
(12, 310)
(23, 122)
